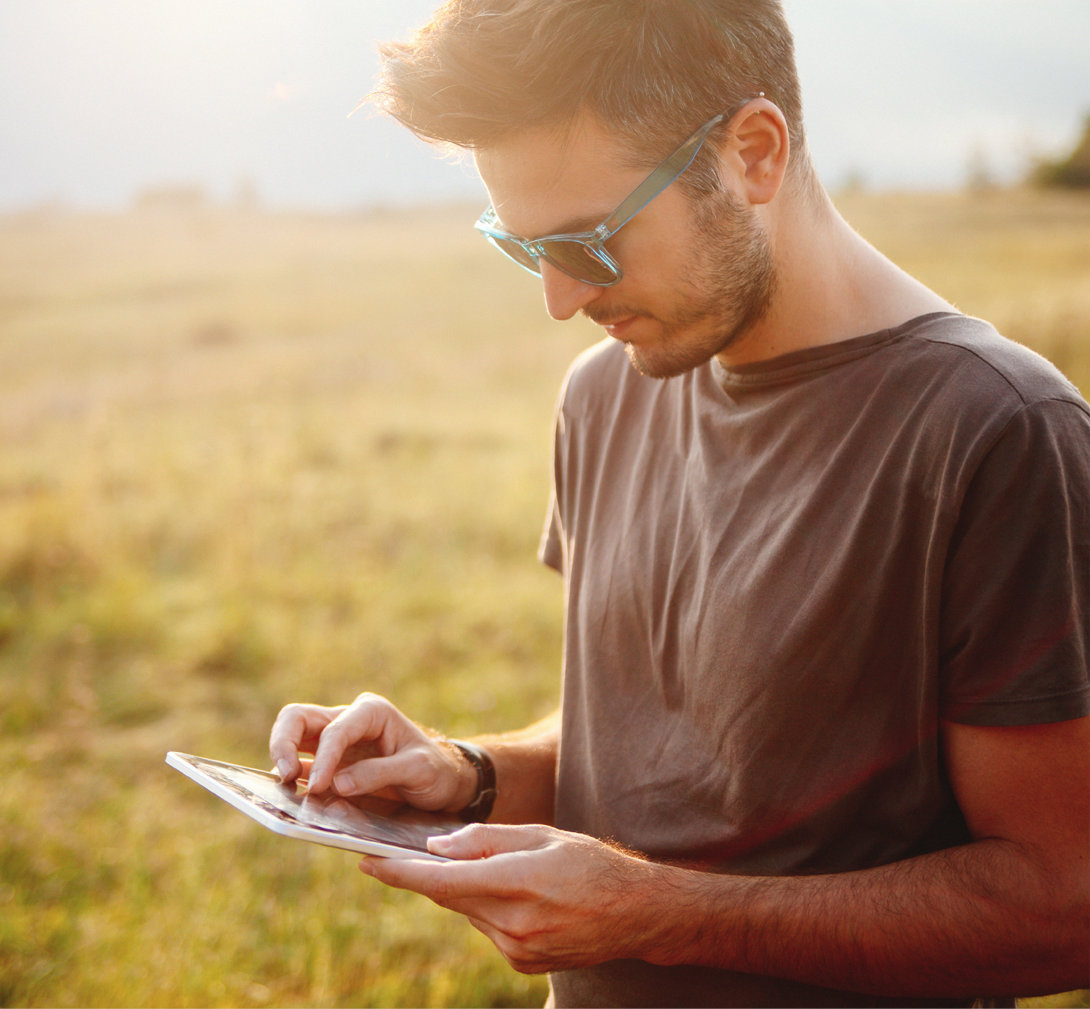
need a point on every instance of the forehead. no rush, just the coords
(545, 180)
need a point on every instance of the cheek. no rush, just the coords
(658, 246)
(653, 270)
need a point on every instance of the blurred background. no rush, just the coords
(246, 100)
(275, 425)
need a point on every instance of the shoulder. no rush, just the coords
(973, 356)
(965, 390)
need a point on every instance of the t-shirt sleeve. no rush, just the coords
(1015, 624)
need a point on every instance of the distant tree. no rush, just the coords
(1072, 172)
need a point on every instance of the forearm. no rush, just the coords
(978, 920)
(525, 771)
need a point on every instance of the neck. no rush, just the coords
(831, 284)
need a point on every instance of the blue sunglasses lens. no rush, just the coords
(573, 258)
(579, 261)
(514, 250)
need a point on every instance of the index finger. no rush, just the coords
(295, 726)
(363, 721)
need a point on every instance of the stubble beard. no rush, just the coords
(731, 279)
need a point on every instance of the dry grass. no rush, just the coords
(248, 460)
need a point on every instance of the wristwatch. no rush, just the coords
(480, 809)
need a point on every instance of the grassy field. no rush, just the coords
(247, 460)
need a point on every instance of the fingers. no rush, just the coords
(472, 872)
(492, 900)
(507, 893)
(295, 729)
(368, 719)
(446, 883)
(338, 737)
(407, 773)
(365, 748)
(480, 840)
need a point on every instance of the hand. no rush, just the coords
(369, 747)
(548, 899)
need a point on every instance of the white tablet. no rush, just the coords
(366, 824)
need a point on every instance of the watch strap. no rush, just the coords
(480, 809)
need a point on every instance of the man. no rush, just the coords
(825, 546)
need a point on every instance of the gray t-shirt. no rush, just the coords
(780, 579)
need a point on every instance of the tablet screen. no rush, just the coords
(261, 795)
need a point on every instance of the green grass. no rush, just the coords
(251, 460)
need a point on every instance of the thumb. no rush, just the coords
(483, 840)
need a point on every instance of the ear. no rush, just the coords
(756, 151)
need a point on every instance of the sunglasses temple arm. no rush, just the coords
(674, 166)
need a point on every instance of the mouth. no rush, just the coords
(619, 327)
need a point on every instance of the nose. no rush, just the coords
(565, 295)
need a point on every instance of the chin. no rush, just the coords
(662, 365)
(668, 359)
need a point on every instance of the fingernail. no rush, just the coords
(283, 765)
(343, 783)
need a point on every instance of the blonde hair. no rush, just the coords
(651, 71)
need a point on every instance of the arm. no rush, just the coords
(525, 771)
(1007, 913)
(370, 747)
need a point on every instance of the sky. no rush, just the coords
(103, 99)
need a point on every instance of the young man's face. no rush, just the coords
(696, 275)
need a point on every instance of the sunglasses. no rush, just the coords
(582, 255)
